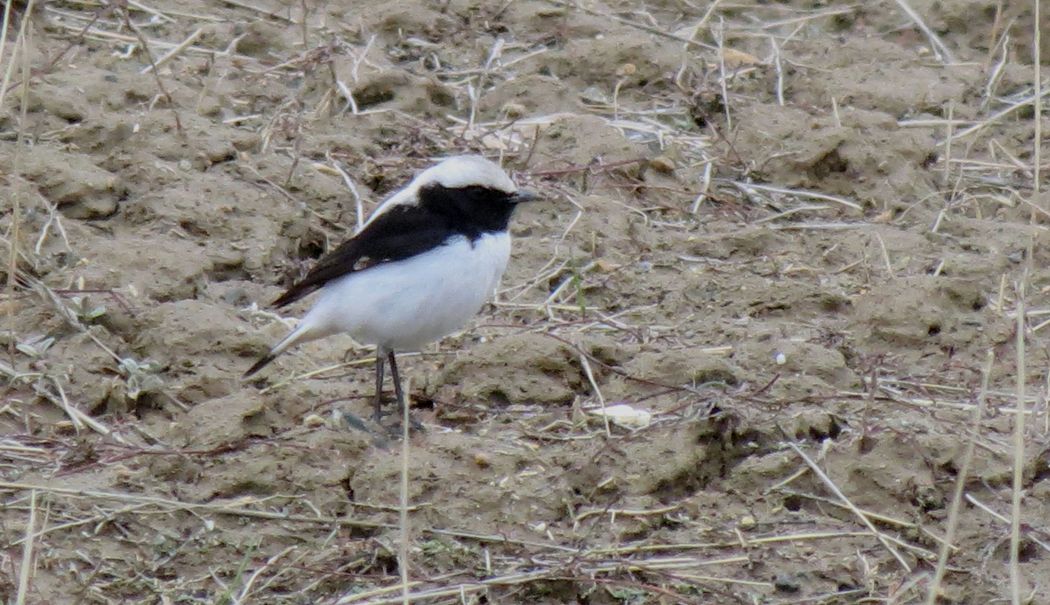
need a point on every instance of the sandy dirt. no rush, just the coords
(792, 232)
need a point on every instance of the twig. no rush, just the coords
(554, 571)
(786, 213)
(705, 186)
(696, 27)
(78, 418)
(831, 12)
(1002, 519)
(1018, 449)
(943, 54)
(798, 192)
(156, 76)
(950, 125)
(885, 519)
(838, 493)
(475, 90)
(779, 70)
(722, 77)
(148, 9)
(3, 48)
(820, 226)
(885, 255)
(262, 11)
(246, 589)
(213, 507)
(403, 512)
(778, 539)
(1021, 367)
(632, 23)
(960, 484)
(1037, 100)
(238, 509)
(349, 182)
(21, 50)
(25, 571)
(594, 385)
(101, 34)
(999, 115)
(174, 52)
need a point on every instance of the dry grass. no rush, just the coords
(629, 553)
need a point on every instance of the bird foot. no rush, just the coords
(395, 429)
(376, 427)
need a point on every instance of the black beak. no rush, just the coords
(523, 195)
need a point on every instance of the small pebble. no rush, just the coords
(482, 460)
(787, 583)
(313, 420)
(747, 522)
(662, 164)
(514, 110)
(593, 94)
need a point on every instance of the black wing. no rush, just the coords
(399, 233)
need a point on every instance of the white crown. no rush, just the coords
(464, 171)
(454, 172)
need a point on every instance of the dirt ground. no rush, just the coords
(793, 237)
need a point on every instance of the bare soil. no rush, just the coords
(792, 232)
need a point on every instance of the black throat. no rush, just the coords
(470, 211)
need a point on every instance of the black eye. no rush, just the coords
(486, 195)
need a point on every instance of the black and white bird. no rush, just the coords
(422, 265)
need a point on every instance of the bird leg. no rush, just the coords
(378, 415)
(401, 401)
(397, 381)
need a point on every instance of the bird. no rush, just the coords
(421, 266)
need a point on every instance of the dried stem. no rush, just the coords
(960, 484)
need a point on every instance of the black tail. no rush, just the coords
(266, 359)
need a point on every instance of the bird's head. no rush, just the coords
(466, 185)
(475, 174)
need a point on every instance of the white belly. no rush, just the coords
(406, 304)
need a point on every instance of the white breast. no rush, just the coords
(406, 304)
